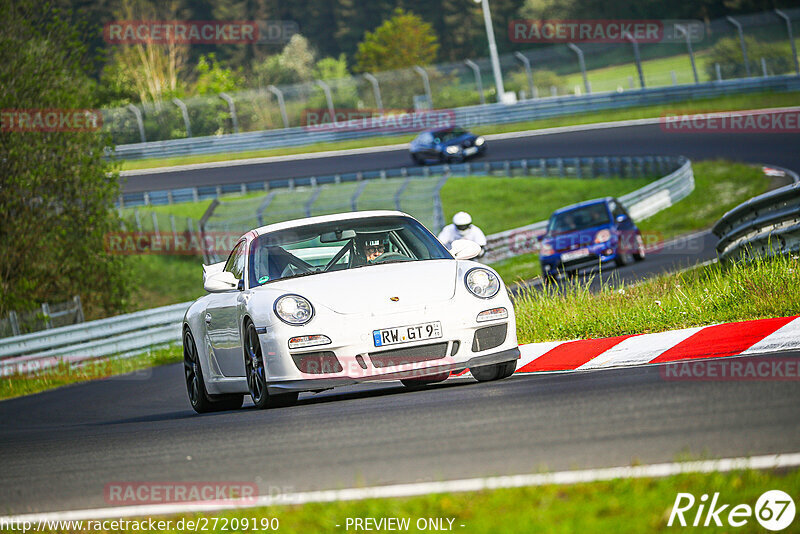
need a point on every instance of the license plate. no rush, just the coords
(574, 254)
(470, 151)
(406, 334)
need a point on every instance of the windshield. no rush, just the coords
(579, 219)
(450, 135)
(340, 245)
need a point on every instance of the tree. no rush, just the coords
(56, 188)
(294, 64)
(213, 78)
(727, 52)
(402, 41)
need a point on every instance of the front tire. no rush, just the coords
(256, 373)
(497, 371)
(199, 398)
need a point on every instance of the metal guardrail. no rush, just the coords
(121, 334)
(584, 167)
(765, 225)
(466, 116)
(641, 204)
(139, 331)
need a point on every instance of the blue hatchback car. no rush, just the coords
(589, 234)
(446, 145)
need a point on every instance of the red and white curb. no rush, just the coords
(718, 341)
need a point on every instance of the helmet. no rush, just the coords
(462, 220)
(373, 240)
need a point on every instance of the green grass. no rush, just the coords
(719, 187)
(64, 374)
(715, 293)
(162, 280)
(724, 103)
(621, 505)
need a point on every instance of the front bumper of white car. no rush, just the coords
(352, 356)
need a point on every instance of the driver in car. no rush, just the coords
(375, 247)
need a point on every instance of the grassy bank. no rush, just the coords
(62, 375)
(716, 293)
(623, 505)
(724, 103)
(719, 186)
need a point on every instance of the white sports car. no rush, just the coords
(327, 301)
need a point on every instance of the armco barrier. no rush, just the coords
(122, 334)
(765, 225)
(466, 116)
(641, 204)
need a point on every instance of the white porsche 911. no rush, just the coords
(327, 301)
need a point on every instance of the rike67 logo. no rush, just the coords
(774, 510)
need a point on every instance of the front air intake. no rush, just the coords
(317, 363)
(489, 337)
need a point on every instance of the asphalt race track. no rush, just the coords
(61, 448)
(777, 149)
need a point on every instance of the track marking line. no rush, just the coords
(771, 461)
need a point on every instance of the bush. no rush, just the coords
(727, 52)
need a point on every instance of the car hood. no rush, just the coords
(460, 140)
(573, 240)
(370, 289)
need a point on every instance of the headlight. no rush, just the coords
(479, 141)
(294, 309)
(482, 283)
(452, 149)
(602, 236)
(546, 249)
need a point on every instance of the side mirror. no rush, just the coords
(464, 249)
(621, 218)
(220, 282)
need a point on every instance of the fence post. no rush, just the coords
(185, 112)
(685, 30)
(376, 90)
(438, 212)
(154, 217)
(46, 312)
(741, 41)
(400, 192)
(582, 64)
(279, 95)
(232, 108)
(764, 67)
(138, 219)
(560, 163)
(476, 70)
(637, 57)
(311, 200)
(674, 77)
(328, 98)
(79, 318)
(139, 120)
(195, 194)
(719, 72)
(419, 70)
(526, 62)
(354, 198)
(785, 17)
(14, 320)
(174, 229)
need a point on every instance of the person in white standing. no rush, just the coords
(462, 228)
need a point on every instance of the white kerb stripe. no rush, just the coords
(784, 338)
(638, 350)
(772, 461)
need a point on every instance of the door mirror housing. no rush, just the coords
(221, 282)
(621, 218)
(464, 249)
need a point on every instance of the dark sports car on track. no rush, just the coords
(446, 145)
